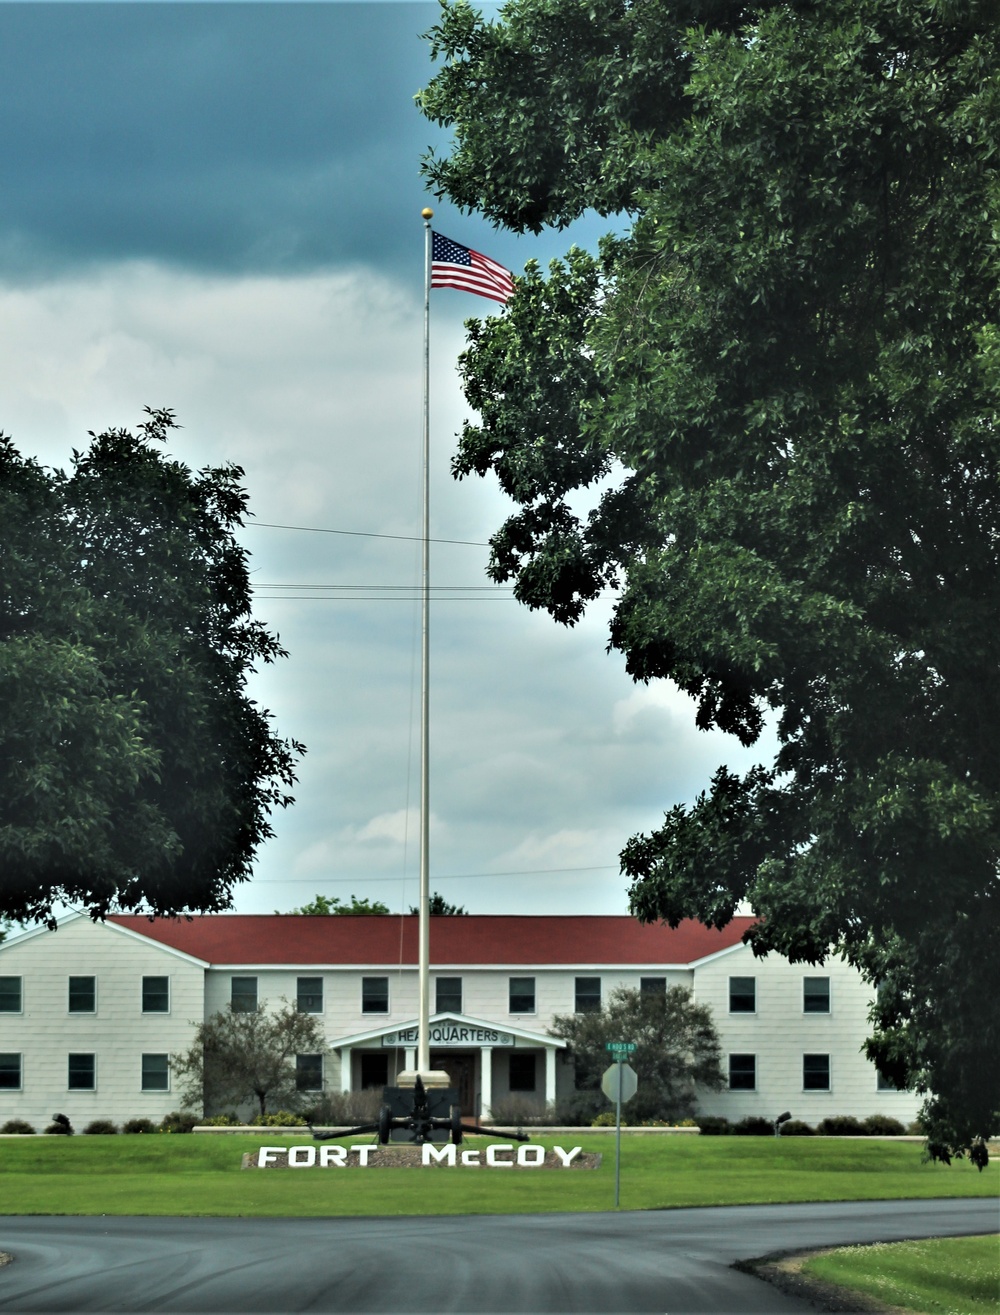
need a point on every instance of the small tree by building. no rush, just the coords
(249, 1056)
(677, 1048)
(438, 907)
(325, 905)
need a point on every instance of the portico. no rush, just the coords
(476, 1049)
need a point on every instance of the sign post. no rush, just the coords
(619, 1083)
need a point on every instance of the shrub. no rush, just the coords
(138, 1125)
(840, 1125)
(345, 1109)
(796, 1128)
(18, 1126)
(882, 1125)
(916, 1128)
(713, 1125)
(580, 1108)
(101, 1128)
(754, 1125)
(176, 1121)
(606, 1119)
(516, 1112)
(222, 1121)
(280, 1119)
(60, 1126)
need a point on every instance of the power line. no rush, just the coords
(455, 876)
(361, 534)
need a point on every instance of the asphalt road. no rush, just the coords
(675, 1262)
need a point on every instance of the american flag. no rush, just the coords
(455, 266)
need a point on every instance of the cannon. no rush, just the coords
(415, 1115)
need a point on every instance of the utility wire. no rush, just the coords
(360, 534)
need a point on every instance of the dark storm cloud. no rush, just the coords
(220, 137)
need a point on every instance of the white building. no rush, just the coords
(91, 1013)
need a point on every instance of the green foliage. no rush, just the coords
(230, 1120)
(937, 1274)
(713, 1125)
(18, 1126)
(438, 907)
(787, 378)
(882, 1125)
(178, 1121)
(135, 773)
(59, 1128)
(137, 1127)
(281, 1119)
(796, 1128)
(239, 1056)
(840, 1125)
(677, 1048)
(753, 1126)
(324, 906)
(101, 1128)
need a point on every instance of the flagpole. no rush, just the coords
(423, 975)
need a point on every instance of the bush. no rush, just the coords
(916, 1128)
(840, 1125)
(580, 1108)
(138, 1125)
(754, 1125)
(882, 1125)
(345, 1109)
(516, 1112)
(60, 1126)
(176, 1121)
(280, 1119)
(222, 1121)
(18, 1126)
(101, 1128)
(713, 1125)
(796, 1128)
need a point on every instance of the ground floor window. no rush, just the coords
(10, 1072)
(816, 1072)
(522, 1072)
(156, 1072)
(374, 1071)
(82, 1074)
(309, 1072)
(742, 1072)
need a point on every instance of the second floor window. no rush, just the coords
(82, 995)
(816, 995)
(309, 995)
(156, 995)
(522, 995)
(374, 995)
(10, 995)
(588, 995)
(448, 995)
(244, 995)
(742, 995)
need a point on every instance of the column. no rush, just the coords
(345, 1068)
(485, 1081)
(550, 1075)
(411, 1058)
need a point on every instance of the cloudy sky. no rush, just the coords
(216, 208)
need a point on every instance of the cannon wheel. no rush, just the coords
(384, 1124)
(456, 1125)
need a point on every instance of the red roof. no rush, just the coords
(224, 938)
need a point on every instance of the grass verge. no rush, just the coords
(178, 1175)
(936, 1276)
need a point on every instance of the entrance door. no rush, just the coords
(462, 1071)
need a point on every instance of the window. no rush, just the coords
(156, 995)
(374, 995)
(10, 1072)
(743, 995)
(816, 995)
(10, 995)
(588, 995)
(374, 1071)
(653, 986)
(522, 1072)
(82, 995)
(244, 995)
(742, 1072)
(816, 1072)
(309, 995)
(308, 1072)
(884, 1083)
(82, 1073)
(156, 1072)
(522, 995)
(448, 995)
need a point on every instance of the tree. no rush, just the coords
(786, 376)
(324, 906)
(677, 1048)
(241, 1056)
(135, 773)
(438, 907)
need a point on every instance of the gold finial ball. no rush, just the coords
(426, 213)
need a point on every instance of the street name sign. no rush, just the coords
(620, 1047)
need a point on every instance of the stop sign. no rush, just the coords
(629, 1080)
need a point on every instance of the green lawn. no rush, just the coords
(201, 1175)
(939, 1276)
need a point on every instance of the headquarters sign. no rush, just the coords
(451, 1034)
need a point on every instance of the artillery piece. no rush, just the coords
(415, 1114)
